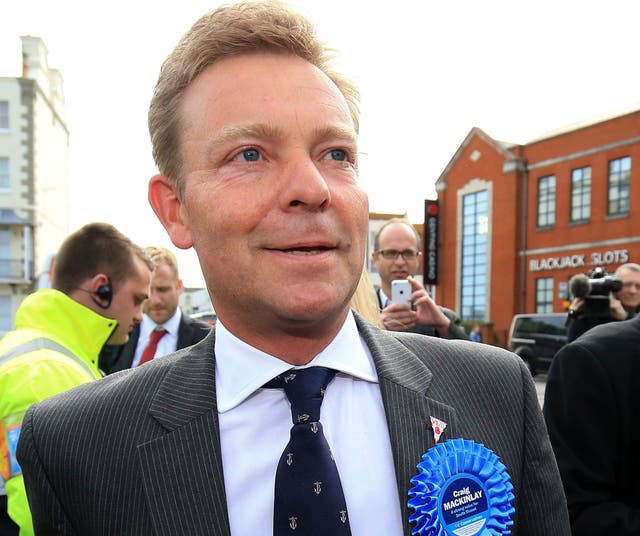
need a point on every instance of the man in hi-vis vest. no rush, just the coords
(100, 281)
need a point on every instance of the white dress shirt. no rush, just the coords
(166, 345)
(384, 299)
(352, 417)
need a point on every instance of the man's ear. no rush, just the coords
(98, 281)
(166, 203)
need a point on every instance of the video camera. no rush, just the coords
(596, 289)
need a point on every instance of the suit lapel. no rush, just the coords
(184, 333)
(182, 469)
(404, 382)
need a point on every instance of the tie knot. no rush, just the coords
(305, 390)
(157, 334)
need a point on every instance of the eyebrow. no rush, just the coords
(337, 132)
(259, 130)
(264, 130)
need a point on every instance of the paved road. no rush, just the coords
(541, 382)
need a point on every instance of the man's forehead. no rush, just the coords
(237, 77)
(627, 273)
(397, 231)
(163, 269)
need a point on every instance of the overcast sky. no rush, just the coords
(428, 72)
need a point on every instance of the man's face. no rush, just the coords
(271, 202)
(126, 305)
(629, 294)
(164, 295)
(398, 237)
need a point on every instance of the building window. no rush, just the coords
(581, 194)
(618, 190)
(547, 201)
(4, 115)
(544, 295)
(475, 226)
(6, 319)
(4, 173)
(5, 253)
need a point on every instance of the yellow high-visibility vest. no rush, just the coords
(54, 348)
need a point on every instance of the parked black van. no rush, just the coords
(536, 338)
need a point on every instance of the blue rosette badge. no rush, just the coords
(462, 489)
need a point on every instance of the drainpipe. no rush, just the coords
(524, 222)
(519, 167)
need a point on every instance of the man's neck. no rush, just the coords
(296, 344)
(386, 288)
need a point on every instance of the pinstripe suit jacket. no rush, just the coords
(138, 452)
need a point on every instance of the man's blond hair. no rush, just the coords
(232, 30)
(161, 256)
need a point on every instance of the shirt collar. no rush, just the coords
(241, 369)
(172, 325)
(384, 299)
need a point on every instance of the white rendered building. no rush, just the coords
(34, 201)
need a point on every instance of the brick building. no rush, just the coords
(517, 221)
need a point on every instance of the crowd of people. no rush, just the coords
(120, 414)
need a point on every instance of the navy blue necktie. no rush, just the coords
(308, 494)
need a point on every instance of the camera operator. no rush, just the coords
(621, 294)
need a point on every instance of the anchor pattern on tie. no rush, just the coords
(308, 494)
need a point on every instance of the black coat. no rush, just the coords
(583, 322)
(592, 410)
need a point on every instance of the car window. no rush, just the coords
(548, 325)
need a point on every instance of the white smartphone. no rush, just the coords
(401, 292)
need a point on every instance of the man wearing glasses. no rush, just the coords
(397, 256)
(623, 305)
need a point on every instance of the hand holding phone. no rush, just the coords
(401, 292)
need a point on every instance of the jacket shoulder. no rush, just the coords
(463, 352)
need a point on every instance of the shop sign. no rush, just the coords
(597, 258)
(431, 227)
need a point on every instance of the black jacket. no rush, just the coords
(592, 410)
(115, 358)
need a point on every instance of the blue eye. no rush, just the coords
(251, 155)
(338, 154)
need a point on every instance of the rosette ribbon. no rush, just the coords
(462, 489)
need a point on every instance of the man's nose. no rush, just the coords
(305, 186)
(137, 315)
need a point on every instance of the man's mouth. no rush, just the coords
(306, 251)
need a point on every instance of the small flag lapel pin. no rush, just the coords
(438, 427)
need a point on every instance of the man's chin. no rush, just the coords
(118, 341)
(159, 319)
(312, 312)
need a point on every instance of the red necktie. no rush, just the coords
(152, 346)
